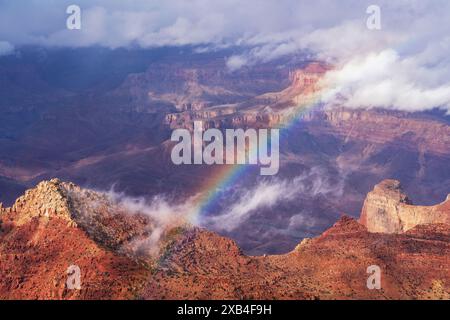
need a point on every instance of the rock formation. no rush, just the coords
(265, 110)
(57, 224)
(388, 210)
(46, 231)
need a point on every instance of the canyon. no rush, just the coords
(208, 151)
(58, 224)
(104, 122)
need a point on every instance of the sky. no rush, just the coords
(404, 65)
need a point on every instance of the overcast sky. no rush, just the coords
(407, 61)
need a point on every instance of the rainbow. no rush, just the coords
(228, 175)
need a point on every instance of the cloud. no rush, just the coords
(6, 48)
(116, 23)
(236, 62)
(273, 27)
(412, 46)
(303, 221)
(162, 209)
(265, 195)
(164, 212)
(269, 193)
(387, 80)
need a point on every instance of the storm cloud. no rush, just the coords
(404, 65)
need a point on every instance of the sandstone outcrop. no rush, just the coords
(387, 209)
(105, 219)
(46, 200)
(56, 225)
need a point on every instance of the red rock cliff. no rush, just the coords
(388, 210)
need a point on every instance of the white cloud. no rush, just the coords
(161, 209)
(386, 80)
(270, 193)
(303, 220)
(264, 195)
(164, 213)
(236, 62)
(6, 48)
